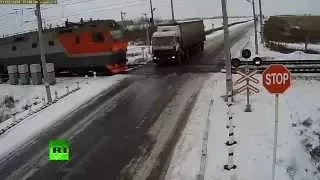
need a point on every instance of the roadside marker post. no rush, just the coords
(276, 79)
(231, 141)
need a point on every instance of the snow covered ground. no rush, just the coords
(201, 150)
(248, 42)
(315, 47)
(298, 134)
(38, 122)
(297, 55)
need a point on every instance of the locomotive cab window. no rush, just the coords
(77, 39)
(97, 37)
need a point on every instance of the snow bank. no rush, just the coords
(315, 47)
(31, 126)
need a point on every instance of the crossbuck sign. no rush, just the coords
(247, 77)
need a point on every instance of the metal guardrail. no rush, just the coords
(32, 112)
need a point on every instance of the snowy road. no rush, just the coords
(127, 130)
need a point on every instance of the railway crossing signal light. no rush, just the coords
(257, 61)
(246, 53)
(235, 62)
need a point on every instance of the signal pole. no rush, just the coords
(122, 16)
(42, 52)
(227, 53)
(255, 27)
(151, 10)
(172, 11)
(261, 22)
(147, 33)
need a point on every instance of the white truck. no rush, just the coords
(175, 42)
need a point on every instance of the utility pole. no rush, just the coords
(42, 52)
(172, 11)
(147, 33)
(151, 10)
(261, 22)
(227, 53)
(255, 27)
(122, 17)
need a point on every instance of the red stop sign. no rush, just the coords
(276, 78)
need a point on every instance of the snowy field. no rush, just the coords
(38, 122)
(299, 129)
(216, 23)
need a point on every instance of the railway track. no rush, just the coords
(295, 66)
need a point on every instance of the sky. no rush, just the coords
(12, 21)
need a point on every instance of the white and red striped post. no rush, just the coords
(231, 141)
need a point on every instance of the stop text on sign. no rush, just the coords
(277, 78)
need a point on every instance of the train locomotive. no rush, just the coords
(93, 45)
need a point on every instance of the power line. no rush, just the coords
(97, 10)
(84, 1)
(51, 18)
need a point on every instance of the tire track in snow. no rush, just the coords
(204, 153)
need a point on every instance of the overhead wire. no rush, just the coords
(67, 3)
(136, 3)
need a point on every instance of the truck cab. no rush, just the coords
(166, 44)
(175, 42)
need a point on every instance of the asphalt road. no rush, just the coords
(127, 132)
